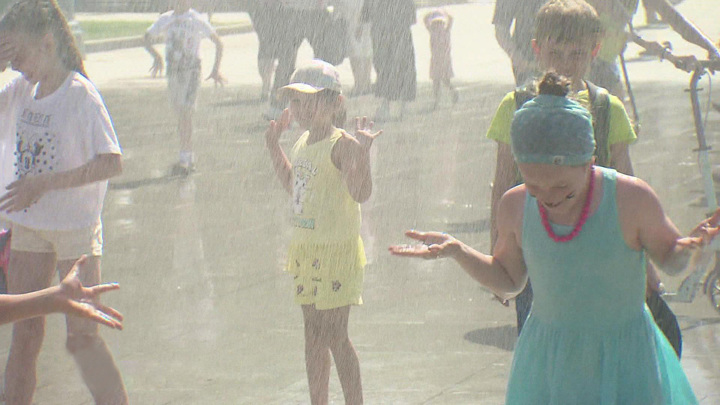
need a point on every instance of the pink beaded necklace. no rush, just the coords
(583, 214)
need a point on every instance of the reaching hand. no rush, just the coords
(433, 246)
(276, 128)
(703, 234)
(74, 299)
(23, 193)
(218, 78)
(363, 134)
(157, 68)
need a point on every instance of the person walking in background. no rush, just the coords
(295, 21)
(439, 23)
(514, 22)
(183, 28)
(265, 15)
(359, 45)
(393, 53)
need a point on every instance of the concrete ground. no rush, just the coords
(210, 317)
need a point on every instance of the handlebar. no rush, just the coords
(686, 63)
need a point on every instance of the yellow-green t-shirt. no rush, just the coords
(613, 40)
(620, 130)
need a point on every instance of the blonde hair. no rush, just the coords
(41, 17)
(568, 21)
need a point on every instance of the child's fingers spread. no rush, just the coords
(103, 288)
(110, 311)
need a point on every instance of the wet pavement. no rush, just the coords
(210, 316)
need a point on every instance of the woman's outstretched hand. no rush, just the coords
(432, 245)
(74, 299)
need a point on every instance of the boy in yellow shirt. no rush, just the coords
(568, 34)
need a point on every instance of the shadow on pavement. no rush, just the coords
(502, 337)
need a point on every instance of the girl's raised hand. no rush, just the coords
(75, 299)
(363, 134)
(276, 128)
(432, 245)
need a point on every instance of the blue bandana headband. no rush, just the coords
(552, 130)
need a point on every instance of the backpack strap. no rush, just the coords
(600, 109)
(522, 96)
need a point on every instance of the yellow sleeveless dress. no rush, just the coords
(326, 254)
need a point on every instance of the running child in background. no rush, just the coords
(183, 28)
(328, 176)
(439, 23)
(58, 149)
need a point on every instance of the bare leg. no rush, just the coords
(436, 93)
(361, 68)
(453, 91)
(317, 356)
(343, 351)
(89, 349)
(382, 114)
(27, 272)
(365, 73)
(266, 68)
(185, 130)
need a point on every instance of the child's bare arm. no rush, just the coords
(620, 158)
(215, 74)
(281, 163)
(70, 297)
(426, 20)
(504, 272)
(26, 191)
(351, 156)
(158, 64)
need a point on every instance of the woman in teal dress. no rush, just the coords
(582, 234)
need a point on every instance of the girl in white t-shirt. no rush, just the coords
(58, 148)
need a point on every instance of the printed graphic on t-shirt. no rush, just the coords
(36, 144)
(299, 190)
(182, 44)
(303, 171)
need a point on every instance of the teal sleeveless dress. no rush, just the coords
(589, 338)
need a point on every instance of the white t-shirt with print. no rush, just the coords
(183, 33)
(59, 132)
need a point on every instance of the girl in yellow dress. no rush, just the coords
(328, 175)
